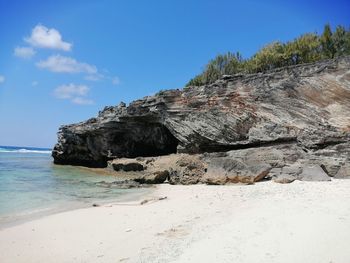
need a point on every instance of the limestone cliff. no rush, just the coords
(306, 105)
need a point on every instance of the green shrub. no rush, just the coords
(307, 48)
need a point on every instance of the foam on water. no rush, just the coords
(23, 151)
(14, 149)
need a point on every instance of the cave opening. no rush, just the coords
(141, 139)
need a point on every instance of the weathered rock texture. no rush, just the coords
(300, 113)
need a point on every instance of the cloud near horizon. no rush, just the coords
(61, 64)
(43, 37)
(82, 101)
(24, 52)
(75, 93)
(115, 80)
(94, 77)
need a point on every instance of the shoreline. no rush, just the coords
(264, 222)
(18, 218)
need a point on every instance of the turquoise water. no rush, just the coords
(31, 185)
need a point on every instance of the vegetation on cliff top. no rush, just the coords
(309, 47)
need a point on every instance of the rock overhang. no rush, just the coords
(236, 112)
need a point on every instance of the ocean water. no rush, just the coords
(32, 186)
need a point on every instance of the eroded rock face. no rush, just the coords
(94, 142)
(188, 169)
(280, 163)
(305, 106)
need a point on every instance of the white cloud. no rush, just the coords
(71, 90)
(82, 101)
(61, 64)
(24, 52)
(75, 93)
(94, 77)
(44, 37)
(35, 83)
(2, 79)
(115, 81)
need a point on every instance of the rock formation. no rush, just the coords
(248, 127)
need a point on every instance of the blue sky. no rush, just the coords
(61, 63)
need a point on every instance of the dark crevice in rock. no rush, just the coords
(258, 144)
(100, 163)
(323, 145)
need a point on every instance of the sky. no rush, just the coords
(63, 61)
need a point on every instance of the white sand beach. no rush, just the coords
(265, 222)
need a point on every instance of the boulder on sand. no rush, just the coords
(286, 174)
(223, 170)
(314, 173)
(344, 172)
(156, 177)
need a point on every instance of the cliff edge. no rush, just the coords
(306, 105)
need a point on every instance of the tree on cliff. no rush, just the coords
(309, 47)
(327, 43)
(304, 49)
(269, 57)
(225, 64)
(341, 41)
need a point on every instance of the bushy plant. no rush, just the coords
(307, 48)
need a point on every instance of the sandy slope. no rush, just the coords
(265, 222)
